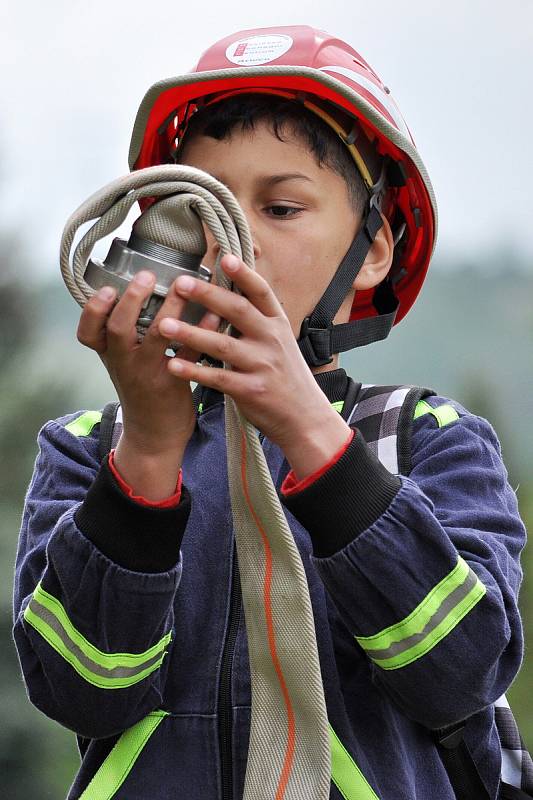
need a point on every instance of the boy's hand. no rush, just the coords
(158, 412)
(269, 379)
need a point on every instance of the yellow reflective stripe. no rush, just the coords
(436, 616)
(444, 414)
(118, 764)
(345, 773)
(106, 670)
(422, 408)
(83, 425)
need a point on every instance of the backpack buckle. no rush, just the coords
(451, 737)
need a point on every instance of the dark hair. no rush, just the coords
(245, 110)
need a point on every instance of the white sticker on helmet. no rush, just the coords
(383, 98)
(256, 50)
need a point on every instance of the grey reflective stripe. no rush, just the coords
(113, 677)
(77, 652)
(444, 609)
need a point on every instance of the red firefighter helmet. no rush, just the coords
(334, 81)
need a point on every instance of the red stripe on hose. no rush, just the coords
(289, 752)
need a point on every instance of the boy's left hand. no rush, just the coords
(269, 380)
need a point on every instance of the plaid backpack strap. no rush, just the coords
(384, 415)
(517, 765)
(111, 423)
(110, 428)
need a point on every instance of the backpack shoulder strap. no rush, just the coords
(384, 415)
(517, 764)
(111, 422)
(110, 428)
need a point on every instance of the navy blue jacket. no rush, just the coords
(125, 614)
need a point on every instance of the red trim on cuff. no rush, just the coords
(173, 500)
(291, 486)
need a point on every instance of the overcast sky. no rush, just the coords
(73, 74)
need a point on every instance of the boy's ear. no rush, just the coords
(378, 260)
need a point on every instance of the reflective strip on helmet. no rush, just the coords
(118, 764)
(443, 414)
(436, 616)
(382, 97)
(83, 425)
(106, 670)
(345, 773)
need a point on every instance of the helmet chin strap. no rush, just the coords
(319, 339)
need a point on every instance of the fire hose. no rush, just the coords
(289, 750)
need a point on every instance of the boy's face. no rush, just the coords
(300, 215)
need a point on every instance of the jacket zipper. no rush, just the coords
(225, 705)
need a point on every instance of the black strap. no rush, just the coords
(197, 396)
(459, 764)
(318, 344)
(319, 339)
(349, 268)
(405, 427)
(107, 425)
(350, 398)
(508, 792)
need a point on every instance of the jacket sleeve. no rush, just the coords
(96, 575)
(424, 569)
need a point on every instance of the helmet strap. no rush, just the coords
(319, 339)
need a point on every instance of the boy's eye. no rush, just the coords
(283, 211)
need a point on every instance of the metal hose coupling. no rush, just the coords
(289, 754)
(125, 259)
(168, 238)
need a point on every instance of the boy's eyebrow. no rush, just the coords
(272, 180)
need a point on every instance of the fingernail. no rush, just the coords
(169, 326)
(186, 283)
(212, 320)
(144, 278)
(232, 263)
(106, 293)
(175, 365)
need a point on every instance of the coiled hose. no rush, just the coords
(289, 750)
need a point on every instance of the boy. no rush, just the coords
(129, 627)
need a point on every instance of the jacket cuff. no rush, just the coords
(168, 502)
(345, 500)
(291, 485)
(136, 537)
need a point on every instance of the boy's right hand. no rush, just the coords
(158, 411)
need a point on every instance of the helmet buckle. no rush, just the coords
(315, 344)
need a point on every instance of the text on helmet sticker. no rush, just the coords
(256, 50)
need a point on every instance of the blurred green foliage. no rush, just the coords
(470, 338)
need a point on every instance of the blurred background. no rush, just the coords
(73, 75)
